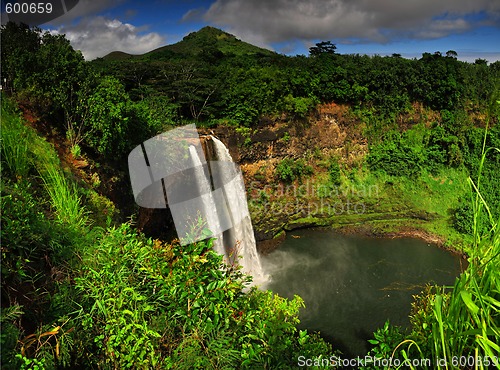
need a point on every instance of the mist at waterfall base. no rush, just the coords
(352, 285)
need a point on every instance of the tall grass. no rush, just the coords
(15, 138)
(23, 150)
(464, 323)
(469, 323)
(64, 196)
(63, 192)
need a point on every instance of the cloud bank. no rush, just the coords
(271, 21)
(98, 36)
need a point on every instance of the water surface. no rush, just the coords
(352, 285)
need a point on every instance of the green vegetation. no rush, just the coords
(15, 140)
(209, 39)
(334, 172)
(168, 306)
(80, 289)
(213, 77)
(88, 296)
(458, 325)
(288, 170)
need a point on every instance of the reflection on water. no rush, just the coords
(352, 285)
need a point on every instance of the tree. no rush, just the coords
(322, 48)
(192, 87)
(20, 45)
(495, 66)
(451, 54)
(61, 77)
(107, 117)
(43, 70)
(77, 112)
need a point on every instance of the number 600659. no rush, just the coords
(28, 8)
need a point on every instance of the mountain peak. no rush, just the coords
(211, 39)
(207, 34)
(209, 30)
(206, 40)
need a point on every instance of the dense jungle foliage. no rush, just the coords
(77, 293)
(82, 290)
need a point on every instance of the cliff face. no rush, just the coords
(312, 172)
(331, 130)
(277, 205)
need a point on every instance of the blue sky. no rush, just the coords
(407, 27)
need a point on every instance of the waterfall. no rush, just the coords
(163, 172)
(207, 200)
(239, 240)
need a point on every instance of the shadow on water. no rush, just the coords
(352, 285)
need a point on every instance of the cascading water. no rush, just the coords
(208, 203)
(239, 240)
(163, 173)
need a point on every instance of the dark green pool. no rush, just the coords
(352, 285)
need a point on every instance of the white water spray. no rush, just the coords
(238, 241)
(208, 203)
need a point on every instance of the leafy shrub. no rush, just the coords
(463, 219)
(395, 159)
(246, 134)
(442, 149)
(31, 244)
(157, 111)
(417, 149)
(288, 170)
(284, 170)
(76, 150)
(298, 106)
(384, 341)
(10, 332)
(108, 118)
(242, 113)
(334, 172)
(150, 304)
(103, 210)
(473, 145)
(24, 231)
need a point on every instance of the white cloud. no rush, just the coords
(84, 8)
(471, 56)
(268, 21)
(443, 27)
(98, 36)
